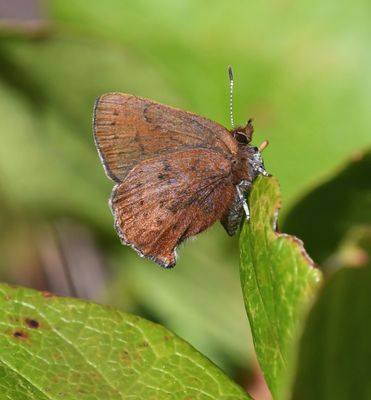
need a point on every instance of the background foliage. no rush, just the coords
(301, 70)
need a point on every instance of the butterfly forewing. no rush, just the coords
(129, 129)
(168, 198)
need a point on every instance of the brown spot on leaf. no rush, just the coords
(32, 323)
(125, 357)
(20, 335)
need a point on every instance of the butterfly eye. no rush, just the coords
(241, 138)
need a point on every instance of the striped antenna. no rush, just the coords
(230, 73)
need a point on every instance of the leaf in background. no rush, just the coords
(61, 348)
(278, 281)
(335, 353)
(324, 216)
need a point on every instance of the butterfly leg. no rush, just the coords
(243, 202)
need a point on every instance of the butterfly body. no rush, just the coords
(176, 173)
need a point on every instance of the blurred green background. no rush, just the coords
(301, 71)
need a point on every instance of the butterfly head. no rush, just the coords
(243, 135)
(249, 154)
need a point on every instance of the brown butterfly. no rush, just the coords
(176, 172)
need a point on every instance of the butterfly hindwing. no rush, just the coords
(164, 200)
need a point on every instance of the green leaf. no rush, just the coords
(335, 352)
(60, 348)
(278, 280)
(336, 206)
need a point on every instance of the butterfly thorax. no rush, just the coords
(247, 165)
(241, 169)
